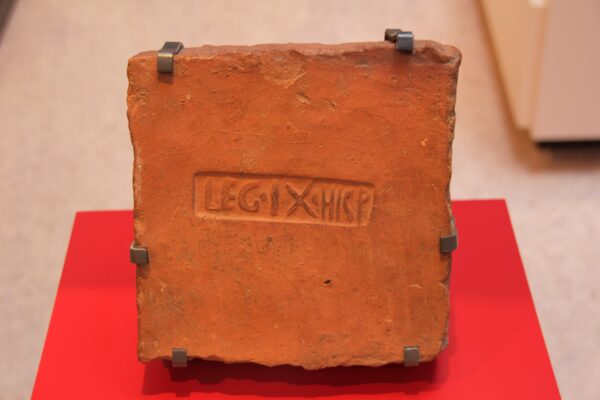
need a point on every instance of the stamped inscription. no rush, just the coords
(282, 199)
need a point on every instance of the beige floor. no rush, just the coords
(64, 146)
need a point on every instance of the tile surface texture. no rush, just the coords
(64, 147)
(292, 198)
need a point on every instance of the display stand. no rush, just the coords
(496, 348)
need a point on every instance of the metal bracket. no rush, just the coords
(405, 41)
(411, 356)
(179, 358)
(138, 255)
(164, 59)
(449, 243)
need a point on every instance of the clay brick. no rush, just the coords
(292, 198)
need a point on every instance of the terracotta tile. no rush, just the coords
(292, 198)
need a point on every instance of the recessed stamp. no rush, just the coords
(274, 198)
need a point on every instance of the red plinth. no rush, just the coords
(496, 347)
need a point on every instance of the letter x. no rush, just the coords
(299, 200)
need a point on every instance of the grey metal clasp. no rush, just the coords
(405, 41)
(449, 243)
(164, 59)
(179, 358)
(137, 254)
(411, 356)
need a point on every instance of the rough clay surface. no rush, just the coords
(292, 198)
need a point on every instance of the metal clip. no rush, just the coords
(411, 356)
(449, 243)
(138, 255)
(405, 41)
(179, 358)
(164, 59)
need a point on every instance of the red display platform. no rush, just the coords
(496, 347)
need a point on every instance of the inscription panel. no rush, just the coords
(282, 199)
